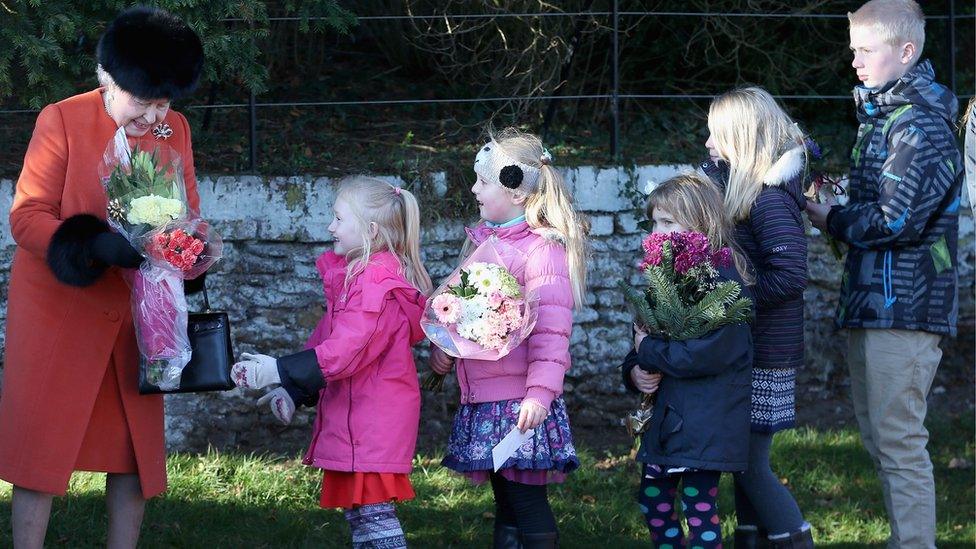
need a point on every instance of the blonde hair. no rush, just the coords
(895, 21)
(696, 204)
(550, 205)
(750, 131)
(397, 217)
(964, 119)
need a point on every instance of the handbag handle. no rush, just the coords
(203, 288)
(206, 297)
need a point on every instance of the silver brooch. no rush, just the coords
(162, 131)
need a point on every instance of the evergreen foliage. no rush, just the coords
(49, 45)
(685, 306)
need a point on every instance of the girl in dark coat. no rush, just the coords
(758, 156)
(700, 425)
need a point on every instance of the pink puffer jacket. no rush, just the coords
(369, 411)
(535, 369)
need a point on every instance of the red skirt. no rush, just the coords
(353, 489)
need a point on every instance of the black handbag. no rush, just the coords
(211, 358)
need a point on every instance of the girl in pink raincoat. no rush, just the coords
(358, 359)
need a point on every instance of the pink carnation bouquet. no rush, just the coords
(147, 205)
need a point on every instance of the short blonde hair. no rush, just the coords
(896, 21)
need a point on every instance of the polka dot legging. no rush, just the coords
(699, 491)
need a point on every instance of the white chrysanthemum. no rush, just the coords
(470, 325)
(477, 270)
(154, 210)
(488, 282)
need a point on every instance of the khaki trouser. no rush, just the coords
(891, 373)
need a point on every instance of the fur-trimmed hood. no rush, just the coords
(788, 167)
(552, 234)
(787, 174)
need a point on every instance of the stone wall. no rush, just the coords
(274, 228)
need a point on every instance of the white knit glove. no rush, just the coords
(282, 406)
(255, 371)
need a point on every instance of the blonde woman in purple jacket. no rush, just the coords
(523, 201)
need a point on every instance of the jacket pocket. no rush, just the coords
(671, 423)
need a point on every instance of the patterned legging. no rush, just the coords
(699, 490)
(375, 526)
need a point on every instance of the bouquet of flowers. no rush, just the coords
(684, 298)
(147, 205)
(481, 312)
(820, 186)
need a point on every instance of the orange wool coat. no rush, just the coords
(62, 339)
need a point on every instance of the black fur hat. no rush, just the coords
(151, 54)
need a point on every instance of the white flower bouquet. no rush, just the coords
(481, 312)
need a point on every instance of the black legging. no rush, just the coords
(525, 506)
(760, 498)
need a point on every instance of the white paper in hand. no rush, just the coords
(508, 445)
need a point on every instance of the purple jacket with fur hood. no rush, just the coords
(774, 239)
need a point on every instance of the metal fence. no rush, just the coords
(615, 97)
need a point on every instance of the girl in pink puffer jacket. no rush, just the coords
(358, 362)
(523, 201)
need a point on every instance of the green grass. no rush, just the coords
(229, 500)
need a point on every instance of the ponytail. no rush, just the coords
(396, 213)
(407, 247)
(551, 206)
(518, 162)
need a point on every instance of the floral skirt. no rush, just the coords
(545, 458)
(773, 399)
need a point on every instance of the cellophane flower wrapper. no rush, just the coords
(468, 326)
(144, 185)
(820, 185)
(190, 246)
(159, 315)
(147, 205)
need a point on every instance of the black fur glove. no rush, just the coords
(114, 249)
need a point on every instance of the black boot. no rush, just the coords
(506, 537)
(547, 540)
(750, 538)
(797, 540)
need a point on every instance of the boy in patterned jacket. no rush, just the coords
(898, 294)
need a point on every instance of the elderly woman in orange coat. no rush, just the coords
(70, 399)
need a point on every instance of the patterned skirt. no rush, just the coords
(773, 399)
(545, 458)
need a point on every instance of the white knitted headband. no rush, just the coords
(494, 165)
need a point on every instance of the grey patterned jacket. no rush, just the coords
(902, 218)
